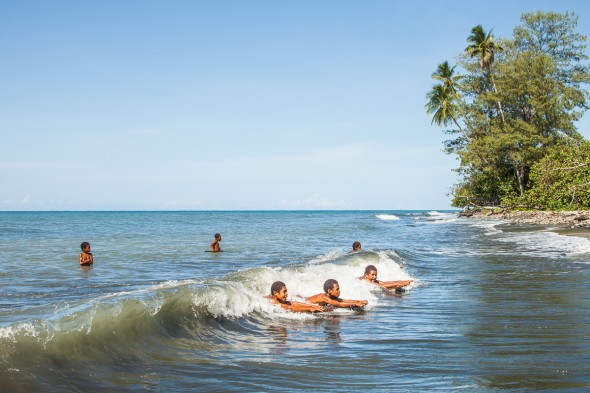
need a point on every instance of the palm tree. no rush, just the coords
(442, 103)
(483, 46)
(444, 73)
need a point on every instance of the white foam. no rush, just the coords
(227, 300)
(546, 242)
(489, 226)
(387, 217)
(305, 281)
(436, 217)
(389, 270)
(234, 299)
(441, 217)
(24, 329)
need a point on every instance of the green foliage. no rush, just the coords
(561, 179)
(442, 104)
(515, 102)
(446, 74)
(554, 34)
(482, 190)
(483, 46)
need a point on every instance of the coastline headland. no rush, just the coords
(564, 219)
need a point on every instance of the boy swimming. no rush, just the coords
(371, 276)
(331, 297)
(279, 293)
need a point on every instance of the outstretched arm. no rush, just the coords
(298, 306)
(305, 307)
(323, 298)
(394, 284)
(352, 303)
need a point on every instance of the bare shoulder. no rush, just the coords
(320, 297)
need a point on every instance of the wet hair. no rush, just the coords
(276, 287)
(217, 236)
(370, 269)
(356, 245)
(329, 284)
(84, 245)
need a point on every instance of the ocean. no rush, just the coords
(493, 307)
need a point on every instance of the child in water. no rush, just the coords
(331, 297)
(86, 258)
(278, 294)
(371, 276)
(214, 246)
(356, 246)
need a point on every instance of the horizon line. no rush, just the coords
(217, 210)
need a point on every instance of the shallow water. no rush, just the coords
(493, 308)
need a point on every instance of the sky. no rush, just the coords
(233, 105)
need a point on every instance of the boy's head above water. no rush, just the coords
(371, 273)
(278, 290)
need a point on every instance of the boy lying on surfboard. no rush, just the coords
(278, 294)
(331, 297)
(371, 276)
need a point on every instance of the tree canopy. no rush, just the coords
(510, 107)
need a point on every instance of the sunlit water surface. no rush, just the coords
(494, 307)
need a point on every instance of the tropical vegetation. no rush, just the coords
(510, 108)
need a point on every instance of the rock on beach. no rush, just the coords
(571, 219)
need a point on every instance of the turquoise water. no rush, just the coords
(493, 307)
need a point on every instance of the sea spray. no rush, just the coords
(387, 217)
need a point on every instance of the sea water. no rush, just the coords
(493, 307)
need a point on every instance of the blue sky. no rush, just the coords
(223, 105)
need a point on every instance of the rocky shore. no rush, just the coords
(564, 219)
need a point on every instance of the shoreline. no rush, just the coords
(569, 223)
(564, 219)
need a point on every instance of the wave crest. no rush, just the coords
(126, 324)
(387, 217)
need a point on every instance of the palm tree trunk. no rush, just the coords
(461, 129)
(498, 102)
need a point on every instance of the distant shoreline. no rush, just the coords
(559, 219)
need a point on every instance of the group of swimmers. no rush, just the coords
(330, 299)
(321, 302)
